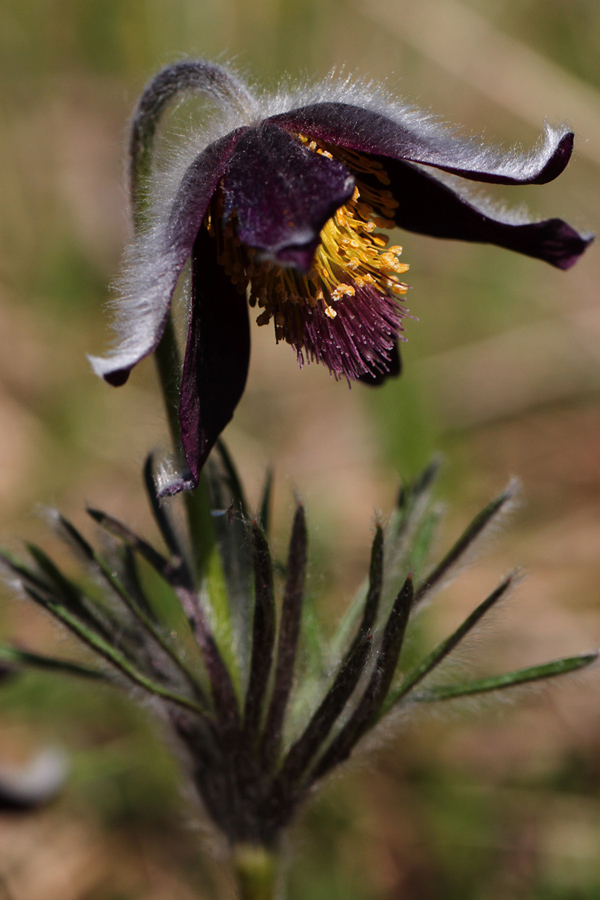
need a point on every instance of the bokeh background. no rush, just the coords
(502, 376)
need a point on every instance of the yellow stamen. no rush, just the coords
(351, 254)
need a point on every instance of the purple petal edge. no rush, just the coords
(371, 132)
(157, 259)
(431, 207)
(217, 356)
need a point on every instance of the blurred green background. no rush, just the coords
(502, 375)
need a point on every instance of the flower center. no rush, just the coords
(354, 276)
(350, 253)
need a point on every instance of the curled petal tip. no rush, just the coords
(178, 485)
(568, 245)
(117, 377)
(102, 368)
(559, 159)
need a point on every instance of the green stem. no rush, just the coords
(167, 355)
(168, 358)
(257, 872)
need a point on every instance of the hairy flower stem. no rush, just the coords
(257, 872)
(167, 355)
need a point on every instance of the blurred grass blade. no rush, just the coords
(13, 655)
(509, 680)
(443, 650)
(474, 530)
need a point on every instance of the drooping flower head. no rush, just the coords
(284, 207)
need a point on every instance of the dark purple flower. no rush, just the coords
(283, 205)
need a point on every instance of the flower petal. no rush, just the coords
(216, 358)
(429, 206)
(421, 141)
(282, 194)
(156, 260)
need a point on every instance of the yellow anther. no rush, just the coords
(350, 257)
(342, 290)
(384, 223)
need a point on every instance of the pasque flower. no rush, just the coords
(283, 204)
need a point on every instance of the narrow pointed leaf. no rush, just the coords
(233, 479)
(264, 515)
(210, 579)
(158, 562)
(370, 703)
(63, 590)
(418, 487)
(91, 557)
(14, 655)
(289, 633)
(111, 654)
(142, 614)
(222, 687)
(511, 679)
(59, 582)
(474, 530)
(129, 573)
(263, 634)
(346, 680)
(443, 650)
(407, 541)
(234, 553)
(23, 572)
